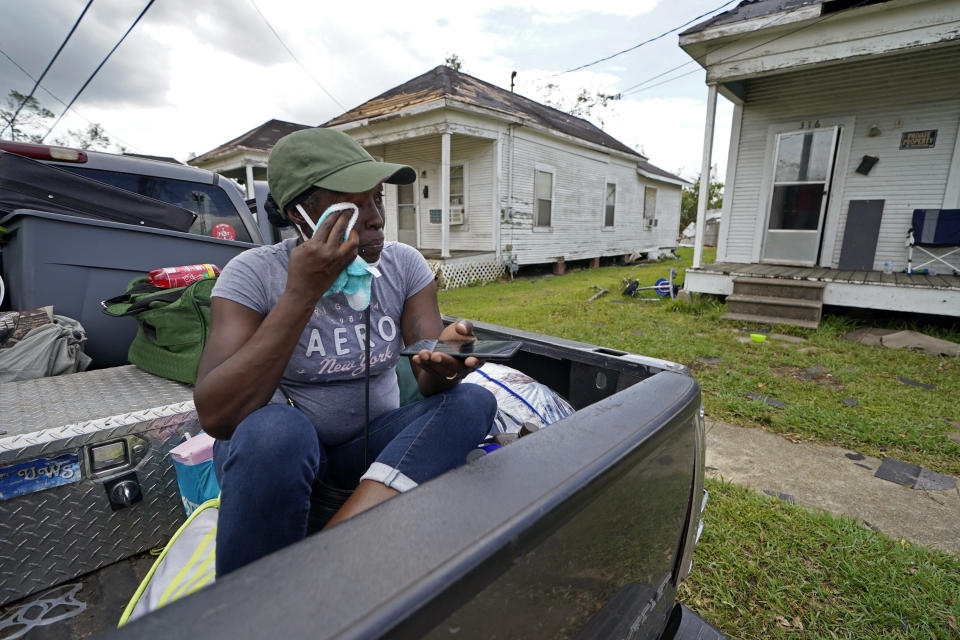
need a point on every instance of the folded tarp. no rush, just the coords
(52, 349)
(29, 184)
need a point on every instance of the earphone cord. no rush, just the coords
(366, 391)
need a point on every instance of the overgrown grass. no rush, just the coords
(890, 417)
(768, 569)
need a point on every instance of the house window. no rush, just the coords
(406, 213)
(457, 198)
(543, 197)
(609, 204)
(649, 205)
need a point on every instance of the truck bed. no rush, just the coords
(581, 529)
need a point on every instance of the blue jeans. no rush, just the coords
(268, 468)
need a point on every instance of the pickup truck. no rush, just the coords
(82, 224)
(583, 529)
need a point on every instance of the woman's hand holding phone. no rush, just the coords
(445, 365)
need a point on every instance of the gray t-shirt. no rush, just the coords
(324, 376)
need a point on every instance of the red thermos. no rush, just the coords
(172, 277)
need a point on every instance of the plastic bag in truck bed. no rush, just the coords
(520, 398)
(52, 345)
(186, 564)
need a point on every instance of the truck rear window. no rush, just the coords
(216, 214)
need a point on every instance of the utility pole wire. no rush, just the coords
(57, 98)
(634, 88)
(49, 64)
(637, 87)
(95, 71)
(295, 59)
(637, 46)
(668, 80)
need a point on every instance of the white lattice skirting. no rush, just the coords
(459, 274)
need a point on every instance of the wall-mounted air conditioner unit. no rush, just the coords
(456, 216)
(651, 222)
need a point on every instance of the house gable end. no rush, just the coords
(818, 34)
(444, 82)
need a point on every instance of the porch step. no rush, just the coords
(776, 301)
(779, 287)
(786, 308)
(746, 317)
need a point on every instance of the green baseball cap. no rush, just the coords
(329, 159)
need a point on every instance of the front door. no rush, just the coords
(407, 214)
(801, 184)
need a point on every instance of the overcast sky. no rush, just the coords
(196, 73)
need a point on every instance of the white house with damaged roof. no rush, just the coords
(844, 145)
(504, 180)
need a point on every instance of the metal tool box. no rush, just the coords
(85, 479)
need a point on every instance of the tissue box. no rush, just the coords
(196, 479)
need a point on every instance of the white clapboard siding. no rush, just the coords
(905, 92)
(478, 157)
(476, 233)
(580, 178)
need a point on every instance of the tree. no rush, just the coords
(31, 122)
(585, 104)
(690, 197)
(454, 61)
(93, 137)
(34, 120)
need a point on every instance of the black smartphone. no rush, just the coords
(483, 349)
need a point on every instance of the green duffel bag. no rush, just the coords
(173, 326)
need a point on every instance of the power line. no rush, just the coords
(95, 71)
(312, 77)
(659, 75)
(49, 64)
(295, 59)
(688, 62)
(57, 98)
(668, 80)
(637, 46)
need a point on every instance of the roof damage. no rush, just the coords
(444, 82)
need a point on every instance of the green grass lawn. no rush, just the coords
(768, 569)
(890, 418)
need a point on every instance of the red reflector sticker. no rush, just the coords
(223, 231)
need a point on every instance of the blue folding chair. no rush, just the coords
(934, 228)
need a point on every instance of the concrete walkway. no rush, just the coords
(824, 478)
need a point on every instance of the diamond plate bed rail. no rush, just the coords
(50, 535)
(35, 405)
(39, 443)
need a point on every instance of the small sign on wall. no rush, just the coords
(926, 139)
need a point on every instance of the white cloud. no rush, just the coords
(194, 75)
(567, 10)
(669, 131)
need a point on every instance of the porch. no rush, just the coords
(916, 293)
(463, 267)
